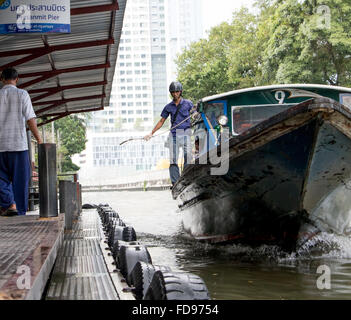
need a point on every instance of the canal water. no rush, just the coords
(234, 272)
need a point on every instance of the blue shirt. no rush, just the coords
(184, 112)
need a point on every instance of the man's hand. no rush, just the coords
(148, 137)
(196, 116)
(193, 109)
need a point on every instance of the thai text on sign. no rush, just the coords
(34, 16)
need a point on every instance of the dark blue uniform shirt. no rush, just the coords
(184, 112)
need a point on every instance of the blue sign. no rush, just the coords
(4, 4)
(35, 16)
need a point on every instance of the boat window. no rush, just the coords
(212, 111)
(200, 137)
(245, 117)
(345, 99)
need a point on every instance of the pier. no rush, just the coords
(28, 249)
(48, 66)
(84, 270)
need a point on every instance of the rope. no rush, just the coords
(159, 134)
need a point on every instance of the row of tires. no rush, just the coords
(147, 281)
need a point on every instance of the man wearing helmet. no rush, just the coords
(179, 109)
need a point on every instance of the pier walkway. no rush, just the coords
(84, 269)
(28, 249)
(39, 259)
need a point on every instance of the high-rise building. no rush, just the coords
(154, 31)
(184, 26)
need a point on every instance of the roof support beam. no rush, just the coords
(62, 115)
(34, 53)
(68, 100)
(60, 47)
(56, 103)
(94, 9)
(72, 112)
(67, 70)
(58, 116)
(50, 74)
(54, 90)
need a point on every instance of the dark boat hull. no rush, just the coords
(291, 170)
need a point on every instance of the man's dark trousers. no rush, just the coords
(14, 180)
(177, 142)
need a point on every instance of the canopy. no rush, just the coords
(69, 73)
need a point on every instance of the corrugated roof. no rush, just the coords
(69, 73)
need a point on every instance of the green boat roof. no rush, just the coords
(275, 86)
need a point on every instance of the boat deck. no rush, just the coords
(28, 248)
(84, 269)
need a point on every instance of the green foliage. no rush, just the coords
(67, 165)
(287, 41)
(72, 132)
(310, 42)
(203, 67)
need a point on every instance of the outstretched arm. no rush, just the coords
(158, 126)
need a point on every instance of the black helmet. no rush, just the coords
(175, 86)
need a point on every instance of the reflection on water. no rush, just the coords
(234, 271)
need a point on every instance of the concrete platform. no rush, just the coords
(28, 249)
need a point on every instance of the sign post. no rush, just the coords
(35, 16)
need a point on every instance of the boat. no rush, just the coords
(287, 161)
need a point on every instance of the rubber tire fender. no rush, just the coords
(176, 286)
(141, 276)
(110, 229)
(117, 245)
(122, 233)
(128, 256)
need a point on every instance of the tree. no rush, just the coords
(203, 66)
(228, 60)
(245, 49)
(287, 41)
(310, 42)
(72, 132)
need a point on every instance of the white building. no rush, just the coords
(105, 161)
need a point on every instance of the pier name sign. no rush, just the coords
(35, 16)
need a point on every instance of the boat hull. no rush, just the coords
(291, 171)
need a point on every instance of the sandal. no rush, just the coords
(9, 213)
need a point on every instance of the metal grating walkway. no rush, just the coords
(81, 271)
(28, 246)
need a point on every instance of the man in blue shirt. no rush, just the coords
(179, 110)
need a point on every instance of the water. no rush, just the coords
(234, 272)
